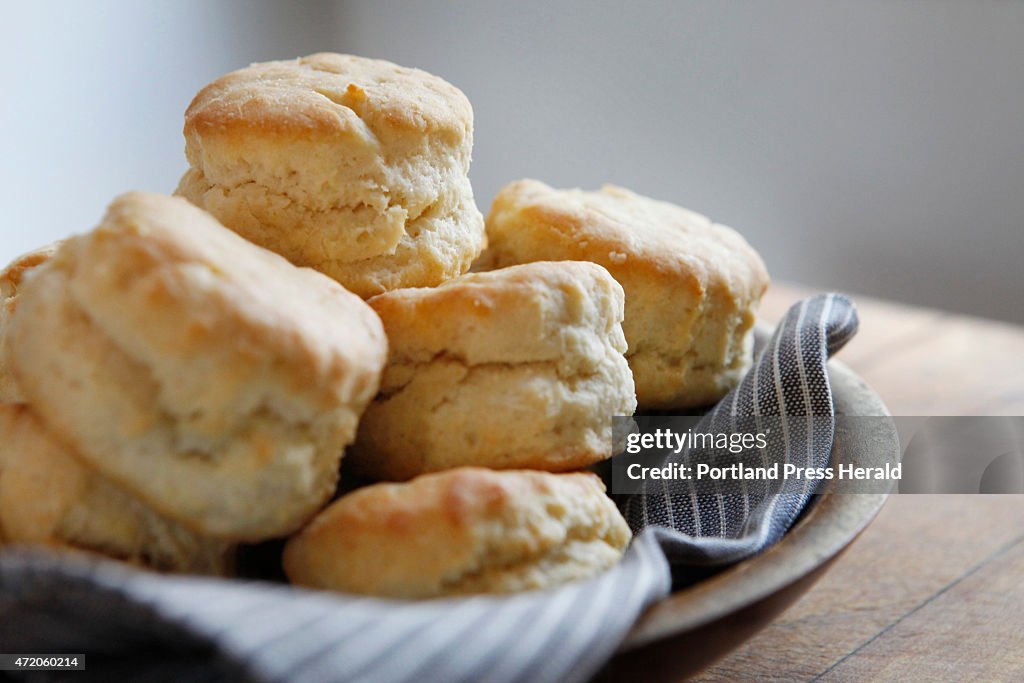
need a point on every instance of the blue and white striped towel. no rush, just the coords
(139, 626)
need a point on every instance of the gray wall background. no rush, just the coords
(867, 145)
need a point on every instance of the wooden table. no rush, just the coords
(934, 589)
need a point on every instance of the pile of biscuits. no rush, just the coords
(189, 377)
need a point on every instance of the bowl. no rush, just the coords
(697, 625)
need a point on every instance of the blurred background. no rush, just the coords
(872, 146)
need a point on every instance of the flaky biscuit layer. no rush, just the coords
(333, 160)
(516, 368)
(49, 498)
(210, 377)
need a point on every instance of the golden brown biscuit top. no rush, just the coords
(328, 94)
(175, 289)
(427, 536)
(533, 312)
(463, 501)
(625, 232)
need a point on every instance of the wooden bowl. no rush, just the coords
(699, 624)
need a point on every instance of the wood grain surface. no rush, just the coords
(934, 589)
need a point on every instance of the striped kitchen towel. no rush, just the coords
(135, 625)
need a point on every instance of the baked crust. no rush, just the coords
(340, 163)
(462, 531)
(516, 368)
(49, 498)
(11, 278)
(330, 94)
(692, 286)
(210, 377)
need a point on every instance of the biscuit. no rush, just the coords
(210, 377)
(463, 531)
(516, 368)
(692, 286)
(48, 498)
(339, 163)
(10, 281)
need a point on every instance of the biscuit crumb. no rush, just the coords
(355, 92)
